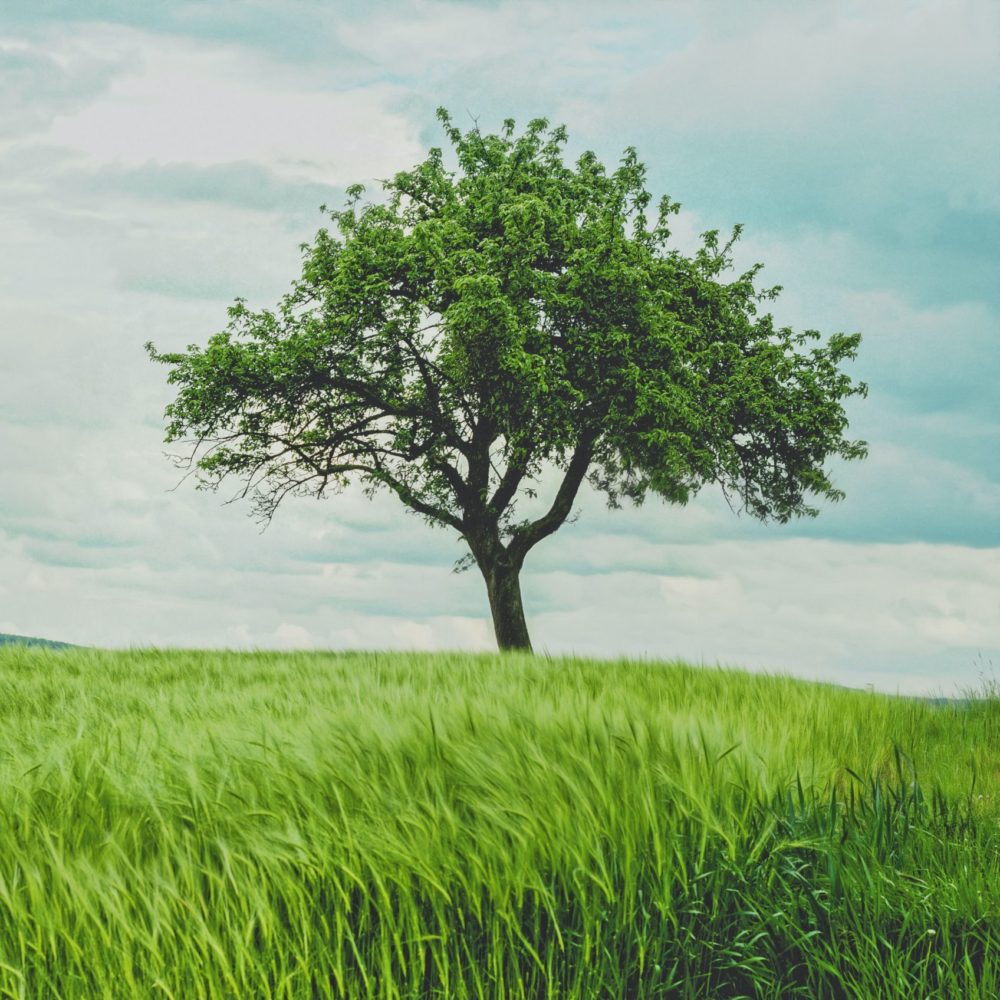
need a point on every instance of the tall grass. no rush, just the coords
(202, 825)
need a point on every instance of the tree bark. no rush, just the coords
(503, 586)
(501, 570)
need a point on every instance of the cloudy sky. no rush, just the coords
(158, 160)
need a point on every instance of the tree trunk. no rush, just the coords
(503, 586)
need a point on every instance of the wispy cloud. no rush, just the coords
(178, 101)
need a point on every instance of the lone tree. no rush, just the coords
(514, 314)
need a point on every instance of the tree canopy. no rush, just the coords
(501, 313)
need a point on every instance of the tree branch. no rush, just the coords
(532, 533)
(507, 488)
(437, 416)
(412, 501)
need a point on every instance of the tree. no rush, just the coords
(514, 314)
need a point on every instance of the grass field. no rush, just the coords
(191, 825)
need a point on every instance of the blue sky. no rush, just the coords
(156, 161)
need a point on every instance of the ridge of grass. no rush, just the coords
(218, 825)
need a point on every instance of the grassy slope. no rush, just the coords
(221, 825)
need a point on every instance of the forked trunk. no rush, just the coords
(503, 585)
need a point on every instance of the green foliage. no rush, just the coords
(511, 313)
(204, 825)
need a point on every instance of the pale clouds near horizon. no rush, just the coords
(154, 167)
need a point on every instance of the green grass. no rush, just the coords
(193, 825)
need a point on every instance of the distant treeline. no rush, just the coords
(29, 640)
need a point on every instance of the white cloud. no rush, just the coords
(516, 45)
(788, 66)
(177, 101)
(289, 636)
(40, 82)
(830, 610)
(896, 71)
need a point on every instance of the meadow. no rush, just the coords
(194, 825)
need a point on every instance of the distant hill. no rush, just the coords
(29, 640)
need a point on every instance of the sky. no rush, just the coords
(159, 160)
